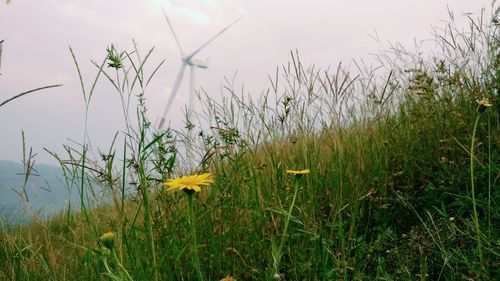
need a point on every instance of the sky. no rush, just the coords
(38, 35)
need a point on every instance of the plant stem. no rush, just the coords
(106, 266)
(195, 257)
(285, 230)
(473, 195)
(121, 266)
(147, 217)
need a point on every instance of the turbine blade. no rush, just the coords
(211, 39)
(173, 32)
(177, 83)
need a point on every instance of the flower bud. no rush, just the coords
(108, 240)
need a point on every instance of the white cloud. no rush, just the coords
(194, 15)
(158, 4)
(209, 2)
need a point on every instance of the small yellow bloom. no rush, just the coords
(108, 240)
(485, 102)
(189, 183)
(228, 278)
(295, 172)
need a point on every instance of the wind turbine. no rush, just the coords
(1, 46)
(193, 63)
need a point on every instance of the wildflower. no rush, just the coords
(189, 183)
(228, 278)
(108, 240)
(300, 172)
(483, 104)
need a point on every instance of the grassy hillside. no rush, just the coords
(404, 162)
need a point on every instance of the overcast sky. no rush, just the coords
(38, 33)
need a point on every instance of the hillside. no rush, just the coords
(383, 173)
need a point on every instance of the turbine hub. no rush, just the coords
(196, 62)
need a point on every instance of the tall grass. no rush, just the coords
(402, 184)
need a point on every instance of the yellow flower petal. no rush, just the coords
(108, 240)
(298, 172)
(193, 182)
(485, 102)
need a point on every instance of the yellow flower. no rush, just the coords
(108, 240)
(228, 278)
(485, 102)
(295, 172)
(189, 183)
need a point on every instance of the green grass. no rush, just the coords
(403, 184)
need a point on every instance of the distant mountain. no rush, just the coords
(46, 193)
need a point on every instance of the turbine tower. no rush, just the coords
(1, 46)
(193, 63)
